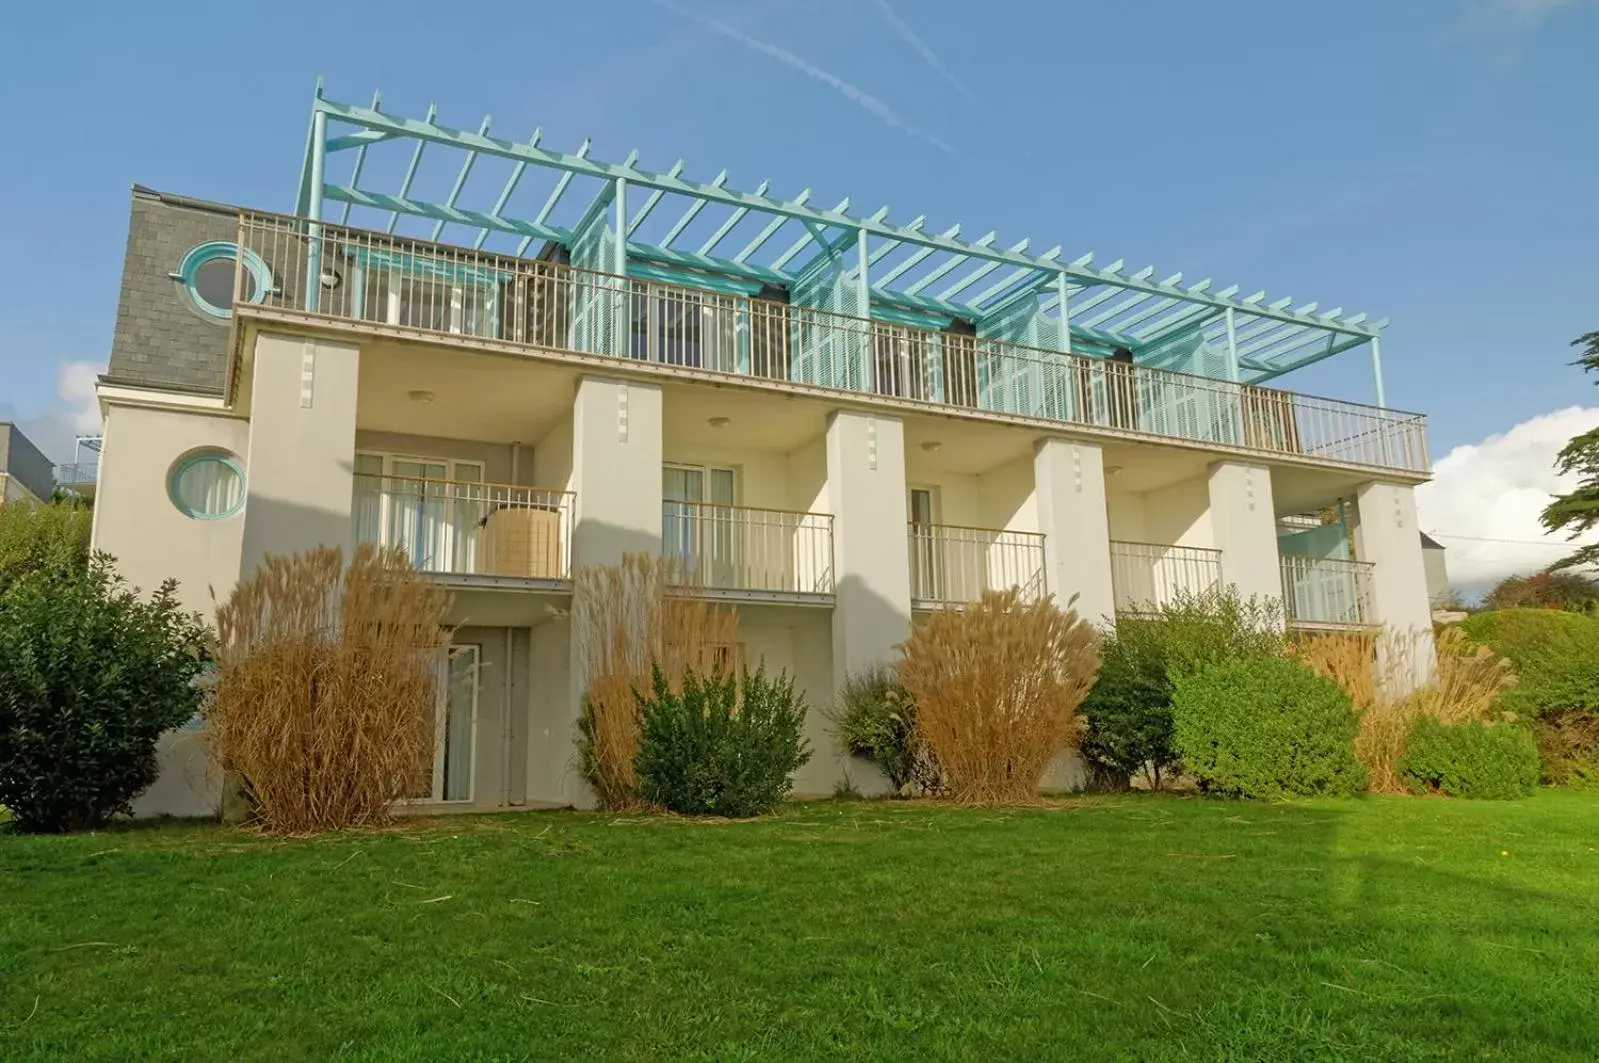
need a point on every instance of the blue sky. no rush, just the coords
(1433, 161)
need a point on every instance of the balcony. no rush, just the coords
(468, 529)
(952, 565)
(400, 283)
(1326, 592)
(78, 478)
(1146, 577)
(759, 553)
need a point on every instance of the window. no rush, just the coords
(207, 275)
(433, 508)
(207, 485)
(698, 522)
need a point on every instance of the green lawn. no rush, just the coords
(1131, 927)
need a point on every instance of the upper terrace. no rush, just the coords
(566, 253)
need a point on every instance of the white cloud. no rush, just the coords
(1502, 27)
(865, 100)
(75, 412)
(1494, 490)
(75, 386)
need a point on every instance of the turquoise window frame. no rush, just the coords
(210, 251)
(189, 462)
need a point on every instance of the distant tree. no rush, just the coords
(1578, 511)
(43, 538)
(1551, 589)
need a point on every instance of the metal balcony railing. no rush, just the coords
(332, 270)
(740, 548)
(466, 528)
(77, 474)
(953, 565)
(1326, 592)
(1147, 576)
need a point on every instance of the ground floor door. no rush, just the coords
(480, 719)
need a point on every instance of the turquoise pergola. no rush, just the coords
(620, 218)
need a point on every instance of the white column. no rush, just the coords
(616, 479)
(1069, 479)
(1387, 536)
(616, 470)
(300, 478)
(1244, 523)
(871, 553)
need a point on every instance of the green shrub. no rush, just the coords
(1568, 745)
(1129, 709)
(725, 746)
(1266, 727)
(47, 538)
(1472, 759)
(91, 674)
(1555, 654)
(876, 720)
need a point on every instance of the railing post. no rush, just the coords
(864, 287)
(622, 314)
(313, 262)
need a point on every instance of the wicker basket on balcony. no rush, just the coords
(523, 541)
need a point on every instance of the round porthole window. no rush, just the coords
(207, 485)
(209, 271)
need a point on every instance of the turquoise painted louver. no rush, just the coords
(830, 259)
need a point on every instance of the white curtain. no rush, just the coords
(369, 498)
(468, 512)
(417, 513)
(208, 487)
(678, 529)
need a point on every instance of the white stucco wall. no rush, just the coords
(1387, 536)
(1125, 510)
(302, 447)
(866, 495)
(134, 518)
(1070, 479)
(616, 470)
(1006, 497)
(1244, 524)
(553, 775)
(798, 641)
(1175, 515)
(496, 457)
(761, 477)
(189, 784)
(1001, 497)
(807, 478)
(552, 457)
(1179, 514)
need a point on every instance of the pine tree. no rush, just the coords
(1578, 511)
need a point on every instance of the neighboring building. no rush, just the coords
(79, 476)
(835, 421)
(24, 470)
(1439, 593)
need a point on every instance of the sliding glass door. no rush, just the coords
(432, 508)
(698, 526)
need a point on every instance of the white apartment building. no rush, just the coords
(836, 422)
